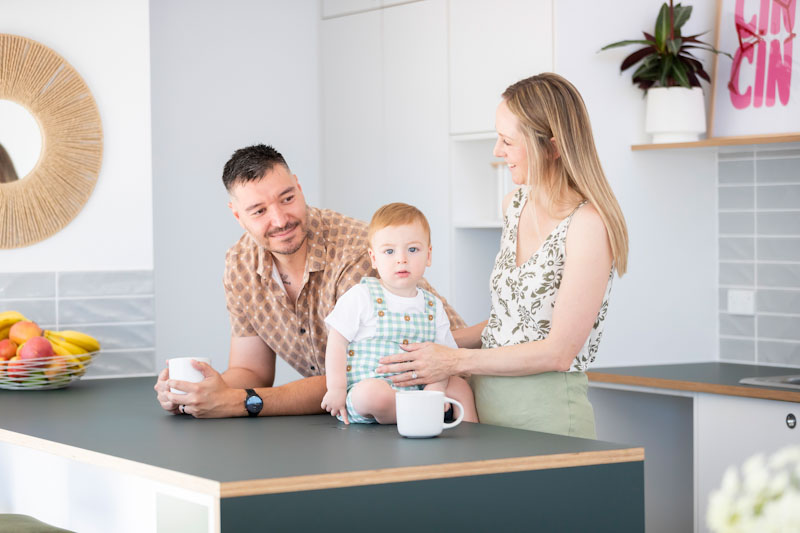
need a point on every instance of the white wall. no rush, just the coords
(664, 309)
(224, 76)
(108, 44)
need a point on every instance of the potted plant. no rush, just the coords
(670, 75)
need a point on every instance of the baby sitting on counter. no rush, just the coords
(375, 317)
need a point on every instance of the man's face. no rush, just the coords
(272, 210)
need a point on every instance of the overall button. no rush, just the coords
(405, 341)
(430, 303)
(407, 318)
(380, 313)
(379, 300)
(351, 353)
(349, 368)
(430, 317)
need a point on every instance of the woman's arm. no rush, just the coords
(469, 337)
(580, 296)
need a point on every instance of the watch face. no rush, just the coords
(254, 404)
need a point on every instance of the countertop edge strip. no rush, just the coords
(154, 473)
(418, 473)
(694, 386)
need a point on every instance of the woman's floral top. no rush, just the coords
(523, 297)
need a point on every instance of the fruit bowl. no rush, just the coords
(54, 372)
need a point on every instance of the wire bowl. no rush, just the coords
(44, 373)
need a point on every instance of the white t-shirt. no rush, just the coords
(355, 318)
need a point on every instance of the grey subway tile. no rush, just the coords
(778, 248)
(778, 301)
(42, 311)
(737, 325)
(105, 310)
(123, 363)
(779, 327)
(737, 248)
(778, 223)
(736, 171)
(737, 274)
(726, 153)
(778, 196)
(111, 337)
(106, 283)
(772, 150)
(736, 197)
(27, 285)
(784, 353)
(737, 350)
(737, 223)
(778, 275)
(778, 170)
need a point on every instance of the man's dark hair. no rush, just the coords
(250, 164)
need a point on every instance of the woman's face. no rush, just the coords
(510, 144)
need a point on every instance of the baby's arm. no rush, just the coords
(335, 376)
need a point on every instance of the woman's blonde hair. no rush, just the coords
(549, 107)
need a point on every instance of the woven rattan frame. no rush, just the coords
(34, 208)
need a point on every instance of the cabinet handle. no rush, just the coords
(791, 421)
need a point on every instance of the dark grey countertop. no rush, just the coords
(711, 377)
(121, 418)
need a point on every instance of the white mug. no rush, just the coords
(420, 413)
(181, 368)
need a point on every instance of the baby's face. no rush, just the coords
(400, 254)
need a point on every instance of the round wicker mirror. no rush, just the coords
(57, 188)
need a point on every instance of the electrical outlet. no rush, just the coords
(741, 302)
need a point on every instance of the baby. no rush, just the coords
(374, 317)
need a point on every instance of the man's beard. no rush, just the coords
(283, 230)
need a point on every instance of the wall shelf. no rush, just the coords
(724, 141)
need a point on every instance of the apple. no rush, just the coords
(8, 349)
(36, 348)
(56, 369)
(24, 330)
(16, 368)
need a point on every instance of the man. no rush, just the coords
(281, 280)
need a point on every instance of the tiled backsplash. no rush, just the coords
(759, 250)
(115, 307)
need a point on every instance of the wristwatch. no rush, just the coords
(253, 403)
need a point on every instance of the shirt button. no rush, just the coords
(302, 330)
(380, 313)
(349, 368)
(312, 367)
(407, 318)
(351, 353)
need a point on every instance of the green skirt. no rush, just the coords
(553, 402)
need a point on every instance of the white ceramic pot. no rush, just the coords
(675, 114)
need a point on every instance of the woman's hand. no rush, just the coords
(423, 363)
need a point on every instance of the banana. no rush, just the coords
(74, 365)
(4, 332)
(87, 342)
(59, 350)
(55, 338)
(9, 318)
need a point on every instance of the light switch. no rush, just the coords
(741, 302)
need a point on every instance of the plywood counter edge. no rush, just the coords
(425, 472)
(694, 386)
(155, 473)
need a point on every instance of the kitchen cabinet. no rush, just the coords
(385, 138)
(694, 421)
(338, 8)
(492, 45)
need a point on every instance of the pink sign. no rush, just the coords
(758, 91)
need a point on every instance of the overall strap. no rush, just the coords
(430, 302)
(375, 292)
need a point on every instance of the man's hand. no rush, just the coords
(162, 389)
(210, 398)
(335, 402)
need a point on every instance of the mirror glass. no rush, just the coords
(20, 141)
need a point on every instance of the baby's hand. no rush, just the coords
(335, 401)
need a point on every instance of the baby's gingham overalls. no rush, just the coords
(392, 330)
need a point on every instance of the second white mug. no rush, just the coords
(181, 368)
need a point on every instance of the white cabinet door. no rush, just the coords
(352, 111)
(492, 45)
(728, 430)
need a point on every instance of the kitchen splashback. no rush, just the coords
(759, 251)
(116, 307)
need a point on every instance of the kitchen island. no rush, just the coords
(301, 473)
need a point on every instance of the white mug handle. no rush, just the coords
(458, 420)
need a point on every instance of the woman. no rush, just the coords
(563, 237)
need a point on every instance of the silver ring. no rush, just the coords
(414, 375)
(183, 409)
